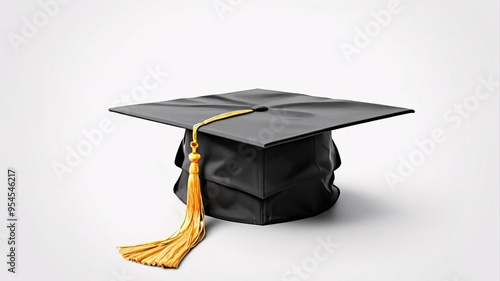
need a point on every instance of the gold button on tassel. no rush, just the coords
(170, 252)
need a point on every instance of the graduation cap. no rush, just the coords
(255, 156)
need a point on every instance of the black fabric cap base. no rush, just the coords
(289, 186)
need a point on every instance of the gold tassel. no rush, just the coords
(170, 252)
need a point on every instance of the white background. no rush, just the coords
(441, 223)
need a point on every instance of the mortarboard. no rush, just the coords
(255, 156)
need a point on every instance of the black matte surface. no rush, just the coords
(289, 116)
(289, 186)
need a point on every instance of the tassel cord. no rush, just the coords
(170, 252)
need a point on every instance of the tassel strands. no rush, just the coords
(170, 252)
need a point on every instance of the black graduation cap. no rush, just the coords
(266, 157)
